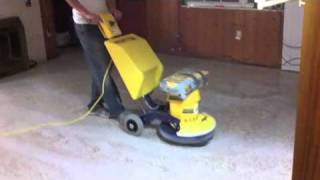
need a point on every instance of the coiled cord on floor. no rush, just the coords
(37, 127)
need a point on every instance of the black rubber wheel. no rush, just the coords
(131, 123)
(169, 135)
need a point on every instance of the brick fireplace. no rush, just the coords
(13, 47)
(21, 35)
(30, 17)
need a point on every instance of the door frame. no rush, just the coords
(306, 164)
(49, 32)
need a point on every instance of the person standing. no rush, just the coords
(86, 19)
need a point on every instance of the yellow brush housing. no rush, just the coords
(188, 106)
(192, 125)
(138, 65)
(191, 122)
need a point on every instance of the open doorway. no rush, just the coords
(64, 29)
(58, 20)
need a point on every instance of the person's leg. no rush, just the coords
(95, 93)
(97, 60)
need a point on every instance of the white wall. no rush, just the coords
(293, 25)
(31, 19)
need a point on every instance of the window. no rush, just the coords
(220, 3)
(259, 4)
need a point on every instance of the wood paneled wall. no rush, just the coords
(307, 144)
(162, 24)
(204, 32)
(212, 33)
(134, 17)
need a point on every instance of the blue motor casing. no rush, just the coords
(181, 84)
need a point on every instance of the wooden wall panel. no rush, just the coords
(251, 37)
(269, 36)
(307, 144)
(162, 24)
(134, 16)
(211, 33)
(195, 31)
(172, 28)
(238, 46)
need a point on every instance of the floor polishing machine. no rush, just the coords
(141, 71)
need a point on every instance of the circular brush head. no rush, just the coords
(169, 135)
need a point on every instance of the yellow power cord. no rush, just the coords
(22, 131)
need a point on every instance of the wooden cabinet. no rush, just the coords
(156, 20)
(248, 36)
(134, 16)
(163, 24)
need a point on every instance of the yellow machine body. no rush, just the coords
(109, 27)
(138, 65)
(188, 106)
(141, 71)
(192, 123)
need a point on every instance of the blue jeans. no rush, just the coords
(97, 59)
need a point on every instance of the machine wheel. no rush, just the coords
(131, 123)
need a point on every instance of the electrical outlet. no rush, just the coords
(238, 35)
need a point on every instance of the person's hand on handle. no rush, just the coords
(92, 17)
(117, 14)
(112, 6)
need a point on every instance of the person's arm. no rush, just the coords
(112, 6)
(84, 12)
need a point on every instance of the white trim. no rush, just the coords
(302, 3)
(261, 4)
(208, 4)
